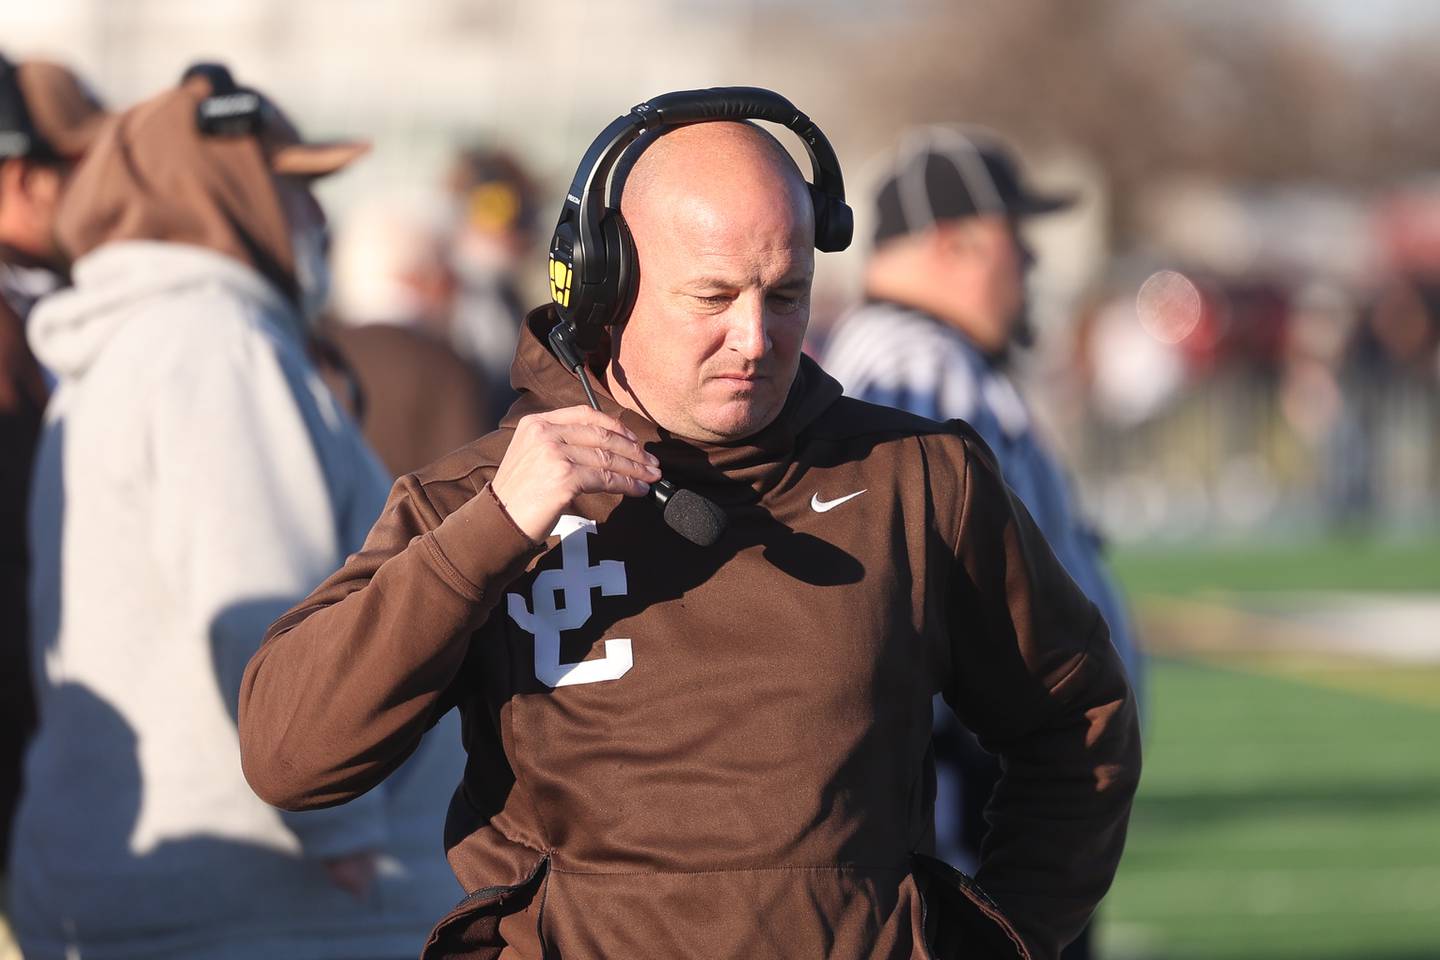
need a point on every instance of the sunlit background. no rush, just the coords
(1238, 356)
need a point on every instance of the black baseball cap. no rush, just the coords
(944, 173)
(46, 111)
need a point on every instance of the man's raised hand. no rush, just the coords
(557, 455)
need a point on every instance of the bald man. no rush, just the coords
(679, 751)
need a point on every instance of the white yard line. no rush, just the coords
(1393, 628)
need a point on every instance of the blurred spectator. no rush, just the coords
(945, 288)
(414, 399)
(392, 265)
(1310, 394)
(1132, 374)
(194, 479)
(1400, 333)
(47, 119)
(394, 295)
(496, 200)
(1392, 357)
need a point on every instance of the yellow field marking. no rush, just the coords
(1221, 634)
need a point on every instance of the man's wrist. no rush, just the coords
(532, 520)
(480, 548)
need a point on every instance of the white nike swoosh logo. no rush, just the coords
(820, 506)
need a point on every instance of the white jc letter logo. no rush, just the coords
(571, 584)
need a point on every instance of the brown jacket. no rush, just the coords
(418, 399)
(22, 404)
(740, 765)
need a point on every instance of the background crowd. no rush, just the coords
(1235, 360)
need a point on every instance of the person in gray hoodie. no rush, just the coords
(194, 478)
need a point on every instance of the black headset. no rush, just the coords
(18, 136)
(593, 276)
(230, 110)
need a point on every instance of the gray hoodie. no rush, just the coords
(194, 479)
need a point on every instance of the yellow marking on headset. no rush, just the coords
(560, 281)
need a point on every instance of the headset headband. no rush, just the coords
(581, 253)
(587, 190)
(18, 136)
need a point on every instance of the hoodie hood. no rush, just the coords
(151, 175)
(68, 329)
(731, 473)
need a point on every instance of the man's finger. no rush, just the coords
(602, 480)
(606, 458)
(583, 414)
(597, 436)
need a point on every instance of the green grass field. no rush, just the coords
(1324, 565)
(1279, 818)
(1290, 806)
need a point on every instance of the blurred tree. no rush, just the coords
(1244, 95)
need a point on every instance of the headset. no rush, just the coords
(18, 136)
(593, 270)
(230, 110)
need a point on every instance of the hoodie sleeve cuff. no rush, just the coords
(478, 549)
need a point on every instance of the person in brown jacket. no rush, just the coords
(414, 399)
(47, 120)
(394, 293)
(712, 751)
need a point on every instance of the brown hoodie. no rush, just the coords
(151, 175)
(733, 759)
(22, 403)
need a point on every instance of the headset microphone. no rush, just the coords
(694, 517)
(593, 268)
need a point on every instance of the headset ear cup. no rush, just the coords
(841, 227)
(624, 266)
(834, 221)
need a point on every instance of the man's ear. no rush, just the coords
(605, 349)
(36, 183)
(49, 179)
(12, 174)
(954, 238)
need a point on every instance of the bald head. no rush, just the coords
(724, 234)
(705, 164)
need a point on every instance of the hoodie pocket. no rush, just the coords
(960, 921)
(471, 931)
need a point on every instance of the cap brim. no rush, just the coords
(316, 159)
(1033, 204)
(64, 112)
